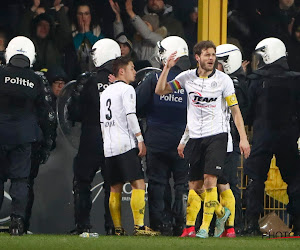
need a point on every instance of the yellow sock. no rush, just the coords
(193, 207)
(211, 204)
(228, 200)
(115, 208)
(137, 204)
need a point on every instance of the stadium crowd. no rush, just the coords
(252, 80)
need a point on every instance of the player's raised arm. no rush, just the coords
(162, 86)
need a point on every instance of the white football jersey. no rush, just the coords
(207, 111)
(116, 102)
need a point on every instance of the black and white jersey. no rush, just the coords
(207, 98)
(117, 101)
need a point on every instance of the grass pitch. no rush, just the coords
(62, 242)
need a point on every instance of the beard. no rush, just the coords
(205, 66)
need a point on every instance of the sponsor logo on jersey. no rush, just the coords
(198, 99)
(18, 81)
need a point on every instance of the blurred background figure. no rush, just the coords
(148, 32)
(85, 31)
(3, 44)
(51, 34)
(166, 16)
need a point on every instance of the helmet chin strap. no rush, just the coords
(20, 61)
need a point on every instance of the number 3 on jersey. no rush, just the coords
(108, 104)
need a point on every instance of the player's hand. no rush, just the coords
(142, 149)
(171, 60)
(245, 148)
(180, 150)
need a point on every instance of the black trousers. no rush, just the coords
(283, 144)
(88, 161)
(15, 165)
(160, 167)
(34, 170)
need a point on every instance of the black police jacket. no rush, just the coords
(165, 115)
(274, 98)
(22, 106)
(85, 101)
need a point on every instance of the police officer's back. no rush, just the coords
(22, 108)
(85, 108)
(274, 108)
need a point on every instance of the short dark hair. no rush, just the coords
(203, 45)
(119, 63)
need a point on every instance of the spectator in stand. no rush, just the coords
(3, 44)
(277, 19)
(85, 33)
(190, 33)
(293, 47)
(50, 38)
(166, 17)
(147, 35)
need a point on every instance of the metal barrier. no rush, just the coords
(275, 196)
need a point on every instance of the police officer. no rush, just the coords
(23, 113)
(230, 62)
(166, 120)
(274, 108)
(90, 157)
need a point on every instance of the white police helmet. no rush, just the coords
(169, 45)
(105, 50)
(267, 51)
(230, 57)
(21, 45)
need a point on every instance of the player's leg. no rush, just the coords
(215, 153)
(196, 191)
(115, 207)
(227, 200)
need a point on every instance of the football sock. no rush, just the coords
(211, 205)
(193, 207)
(115, 208)
(137, 204)
(227, 200)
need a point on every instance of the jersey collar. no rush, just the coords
(210, 75)
(119, 81)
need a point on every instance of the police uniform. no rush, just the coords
(165, 122)
(23, 112)
(274, 111)
(85, 108)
